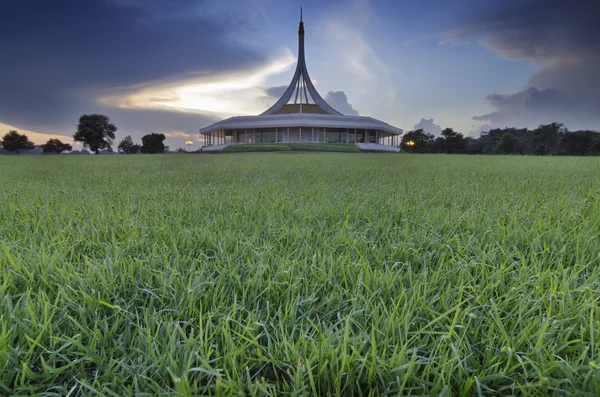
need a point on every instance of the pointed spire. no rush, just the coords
(301, 85)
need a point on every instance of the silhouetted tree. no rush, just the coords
(153, 143)
(14, 142)
(474, 146)
(56, 146)
(96, 132)
(127, 145)
(580, 143)
(454, 142)
(508, 144)
(417, 141)
(544, 139)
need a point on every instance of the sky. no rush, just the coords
(175, 66)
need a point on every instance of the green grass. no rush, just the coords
(305, 147)
(262, 274)
(324, 147)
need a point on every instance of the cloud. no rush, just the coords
(275, 92)
(339, 101)
(428, 125)
(60, 56)
(36, 137)
(563, 39)
(225, 94)
(527, 106)
(346, 34)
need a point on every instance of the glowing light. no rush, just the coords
(236, 93)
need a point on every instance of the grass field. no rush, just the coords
(304, 274)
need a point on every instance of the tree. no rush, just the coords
(544, 139)
(580, 143)
(417, 141)
(56, 146)
(153, 143)
(127, 146)
(13, 142)
(96, 132)
(454, 142)
(508, 144)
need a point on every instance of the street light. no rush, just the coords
(189, 143)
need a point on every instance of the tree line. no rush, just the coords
(96, 132)
(546, 139)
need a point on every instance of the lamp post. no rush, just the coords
(189, 143)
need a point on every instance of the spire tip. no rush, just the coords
(301, 28)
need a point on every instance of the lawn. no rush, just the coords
(305, 274)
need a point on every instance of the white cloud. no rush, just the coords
(237, 93)
(358, 61)
(428, 125)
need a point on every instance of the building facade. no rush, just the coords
(301, 115)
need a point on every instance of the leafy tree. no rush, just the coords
(508, 144)
(491, 138)
(454, 142)
(580, 143)
(417, 141)
(153, 143)
(96, 132)
(127, 146)
(13, 142)
(544, 139)
(56, 146)
(474, 146)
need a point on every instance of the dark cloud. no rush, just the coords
(563, 37)
(526, 106)
(275, 92)
(59, 56)
(428, 125)
(339, 101)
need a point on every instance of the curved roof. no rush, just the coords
(301, 120)
(310, 111)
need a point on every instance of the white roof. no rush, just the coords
(301, 120)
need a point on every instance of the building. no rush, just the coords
(302, 115)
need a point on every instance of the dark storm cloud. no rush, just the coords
(57, 56)
(527, 106)
(563, 37)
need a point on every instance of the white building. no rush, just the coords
(302, 115)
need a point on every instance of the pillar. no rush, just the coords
(355, 136)
(288, 135)
(324, 135)
(300, 134)
(312, 135)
